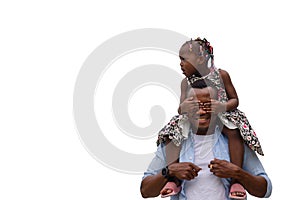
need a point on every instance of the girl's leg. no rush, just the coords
(236, 146)
(236, 152)
(172, 156)
(172, 152)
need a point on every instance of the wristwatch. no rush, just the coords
(165, 172)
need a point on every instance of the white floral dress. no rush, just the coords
(177, 128)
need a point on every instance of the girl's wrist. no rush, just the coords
(225, 106)
(179, 110)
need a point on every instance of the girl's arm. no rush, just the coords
(183, 89)
(233, 100)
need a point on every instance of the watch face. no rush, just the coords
(164, 171)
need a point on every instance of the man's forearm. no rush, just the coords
(152, 185)
(255, 185)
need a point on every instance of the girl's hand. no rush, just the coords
(214, 106)
(189, 105)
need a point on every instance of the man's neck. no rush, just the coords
(209, 131)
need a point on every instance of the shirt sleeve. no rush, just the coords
(157, 163)
(269, 185)
(253, 165)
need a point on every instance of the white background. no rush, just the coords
(44, 44)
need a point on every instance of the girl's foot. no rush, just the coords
(170, 189)
(237, 191)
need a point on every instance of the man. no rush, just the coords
(204, 168)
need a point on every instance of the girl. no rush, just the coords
(195, 56)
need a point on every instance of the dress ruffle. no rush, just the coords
(176, 130)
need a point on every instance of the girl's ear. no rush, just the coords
(200, 60)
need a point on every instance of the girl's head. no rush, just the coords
(194, 55)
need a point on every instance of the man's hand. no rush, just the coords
(184, 170)
(224, 169)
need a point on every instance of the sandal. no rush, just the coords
(170, 189)
(237, 191)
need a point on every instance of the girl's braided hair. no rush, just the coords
(201, 47)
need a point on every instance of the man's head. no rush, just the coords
(202, 120)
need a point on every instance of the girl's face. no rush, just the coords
(187, 68)
(188, 61)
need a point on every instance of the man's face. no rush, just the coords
(200, 119)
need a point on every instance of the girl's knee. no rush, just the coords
(231, 132)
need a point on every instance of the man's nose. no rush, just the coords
(201, 111)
